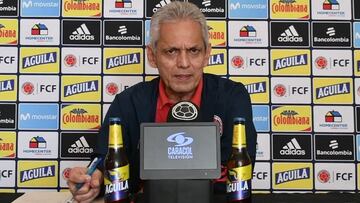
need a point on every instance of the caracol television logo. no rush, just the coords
(9, 8)
(124, 9)
(126, 33)
(123, 61)
(85, 32)
(180, 146)
(211, 8)
(38, 116)
(81, 8)
(292, 176)
(248, 62)
(217, 33)
(77, 145)
(80, 116)
(248, 33)
(290, 9)
(291, 118)
(292, 147)
(332, 176)
(153, 6)
(40, 8)
(331, 34)
(245, 9)
(81, 88)
(332, 62)
(9, 31)
(334, 147)
(286, 34)
(290, 62)
(7, 116)
(37, 173)
(39, 60)
(35, 32)
(7, 144)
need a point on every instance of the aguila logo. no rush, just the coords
(28, 88)
(237, 62)
(280, 90)
(321, 62)
(70, 60)
(112, 88)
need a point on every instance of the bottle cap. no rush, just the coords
(114, 119)
(239, 119)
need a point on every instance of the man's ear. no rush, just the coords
(207, 55)
(150, 53)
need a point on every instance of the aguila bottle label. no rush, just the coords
(238, 186)
(116, 184)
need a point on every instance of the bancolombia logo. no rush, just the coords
(334, 147)
(123, 32)
(211, 8)
(7, 116)
(331, 34)
(9, 8)
(181, 148)
(85, 32)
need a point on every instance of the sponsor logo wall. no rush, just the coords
(63, 61)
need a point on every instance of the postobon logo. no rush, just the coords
(83, 8)
(79, 88)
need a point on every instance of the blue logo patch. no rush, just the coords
(357, 34)
(40, 8)
(261, 118)
(248, 9)
(147, 32)
(38, 116)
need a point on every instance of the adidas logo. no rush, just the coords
(80, 146)
(292, 148)
(334, 144)
(206, 3)
(161, 4)
(122, 29)
(330, 31)
(290, 35)
(81, 33)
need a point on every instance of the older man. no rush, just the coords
(180, 50)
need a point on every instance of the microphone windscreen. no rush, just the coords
(184, 111)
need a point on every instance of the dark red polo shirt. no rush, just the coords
(164, 104)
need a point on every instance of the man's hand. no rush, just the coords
(91, 188)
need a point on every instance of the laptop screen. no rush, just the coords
(179, 151)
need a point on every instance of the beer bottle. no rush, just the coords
(238, 184)
(116, 173)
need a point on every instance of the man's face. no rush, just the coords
(180, 57)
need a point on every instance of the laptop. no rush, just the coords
(182, 150)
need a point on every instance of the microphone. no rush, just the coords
(184, 111)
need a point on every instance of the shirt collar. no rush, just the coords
(164, 99)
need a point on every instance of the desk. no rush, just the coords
(257, 198)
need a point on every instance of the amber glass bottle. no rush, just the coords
(116, 163)
(238, 186)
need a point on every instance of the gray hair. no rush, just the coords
(177, 11)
